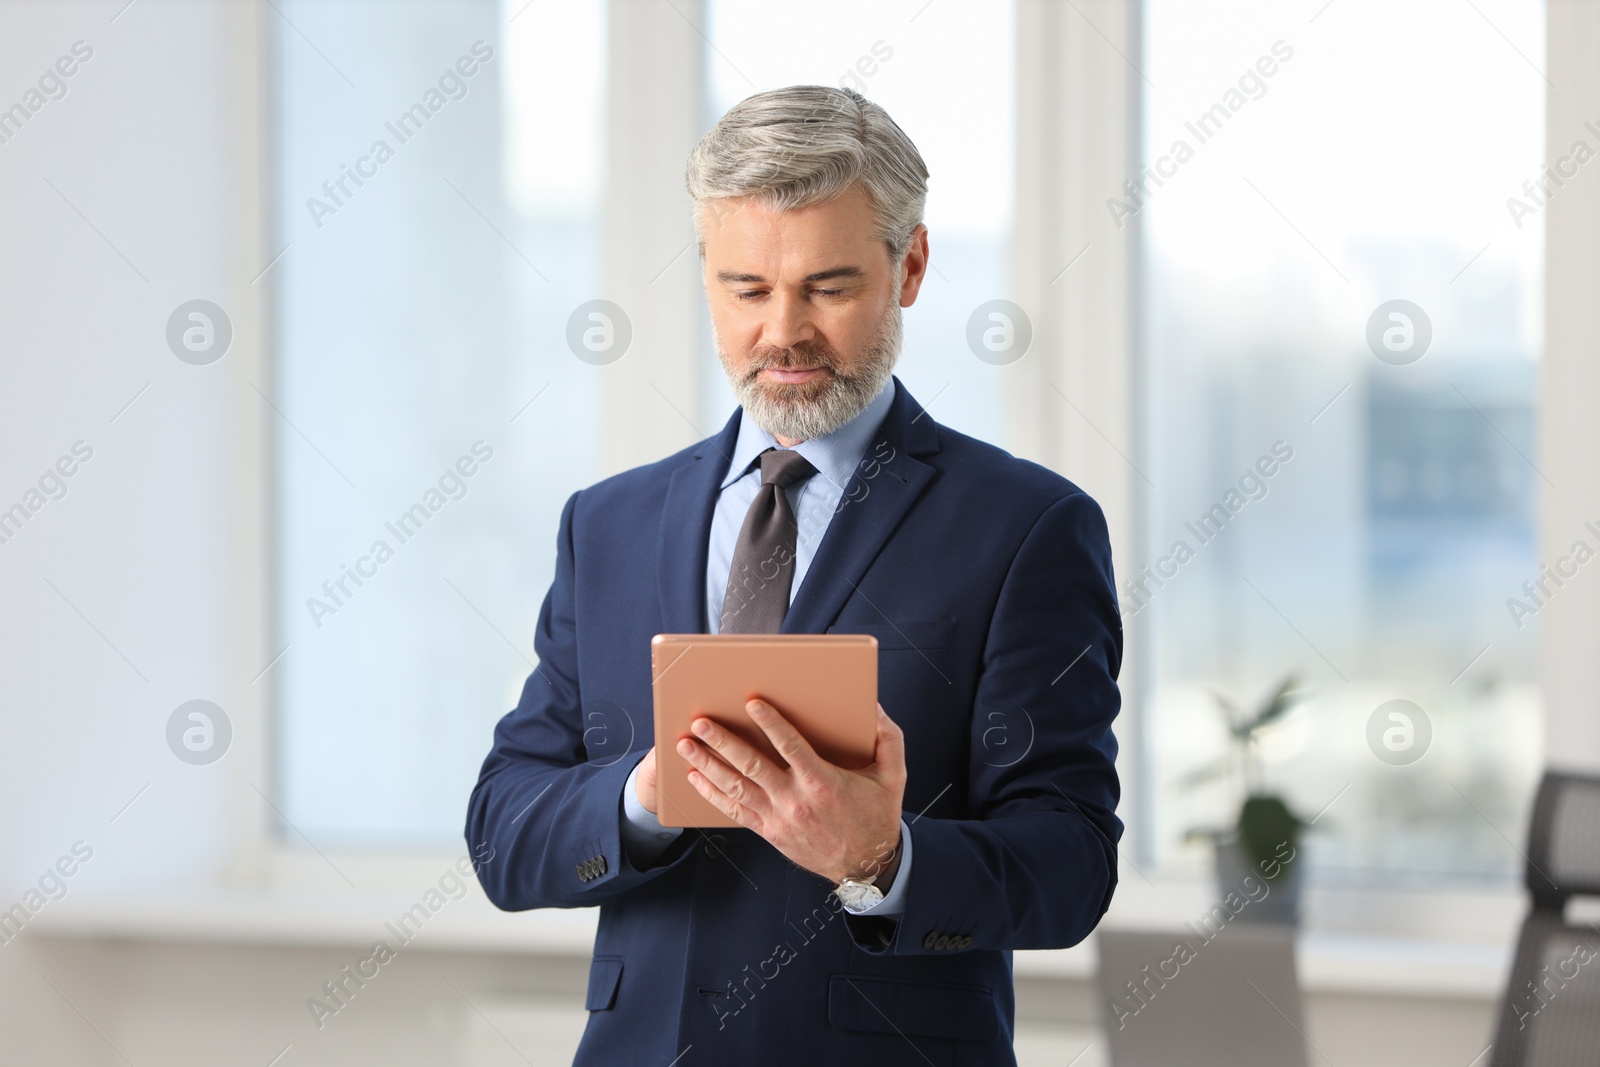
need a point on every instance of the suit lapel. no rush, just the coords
(884, 485)
(881, 489)
(686, 532)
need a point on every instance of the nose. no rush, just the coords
(788, 321)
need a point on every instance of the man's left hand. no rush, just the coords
(834, 822)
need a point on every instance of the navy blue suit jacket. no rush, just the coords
(987, 582)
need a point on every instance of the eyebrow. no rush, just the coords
(819, 276)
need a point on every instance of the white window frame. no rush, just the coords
(655, 90)
(1077, 136)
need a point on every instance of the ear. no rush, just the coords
(914, 266)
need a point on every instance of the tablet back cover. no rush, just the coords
(824, 684)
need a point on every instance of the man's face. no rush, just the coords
(805, 307)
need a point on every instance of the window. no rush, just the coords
(421, 324)
(1335, 486)
(1350, 515)
(894, 52)
(433, 421)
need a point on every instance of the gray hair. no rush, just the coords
(791, 148)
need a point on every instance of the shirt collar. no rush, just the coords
(834, 455)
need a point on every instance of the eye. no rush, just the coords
(828, 292)
(749, 294)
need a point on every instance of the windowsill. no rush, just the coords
(1422, 963)
(1342, 963)
(1452, 944)
(315, 918)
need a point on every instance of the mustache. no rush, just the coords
(800, 357)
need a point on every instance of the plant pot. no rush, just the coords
(1263, 901)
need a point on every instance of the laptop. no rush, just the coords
(1202, 996)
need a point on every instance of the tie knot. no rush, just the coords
(783, 467)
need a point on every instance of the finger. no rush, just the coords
(732, 809)
(795, 750)
(645, 793)
(735, 751)
(725, 779)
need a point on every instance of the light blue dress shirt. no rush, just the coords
(814, 501)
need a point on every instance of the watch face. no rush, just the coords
(859, 897)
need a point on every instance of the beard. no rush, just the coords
(805, 410)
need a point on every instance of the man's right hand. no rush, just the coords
(645, 781)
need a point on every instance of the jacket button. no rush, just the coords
(715, 845)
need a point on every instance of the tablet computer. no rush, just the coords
(824, 684)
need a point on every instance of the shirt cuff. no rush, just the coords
(894, 902)
(643, 836)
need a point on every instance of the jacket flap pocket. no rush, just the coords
(604, 974)
(923, 1009)
(920, 635)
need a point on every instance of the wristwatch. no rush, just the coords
(859, 894)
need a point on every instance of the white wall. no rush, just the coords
(185, 1004)
(1569, 436)
(119, 596)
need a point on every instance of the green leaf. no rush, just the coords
(1265, 825)
(1277, 705)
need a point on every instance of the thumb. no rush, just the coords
(890, 752)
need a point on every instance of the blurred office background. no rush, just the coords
(1189, 314)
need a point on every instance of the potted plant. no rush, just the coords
(1264, 840)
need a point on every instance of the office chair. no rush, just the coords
(1550, 1016)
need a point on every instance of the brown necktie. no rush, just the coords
(763, 559)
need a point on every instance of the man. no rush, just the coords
(830, 502)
